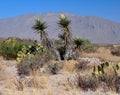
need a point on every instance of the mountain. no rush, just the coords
(96, 29)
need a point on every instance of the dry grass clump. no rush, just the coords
(103, 50)
(32, 85)
(39, 82)
(1, 58)
(28, 66)
(6, 78)
(106, 83)
(53, 67)
(87, 82)
(116, 51)
(75, 66)
(2, 72)
(30, 91)
(4, 75)
(69, 66)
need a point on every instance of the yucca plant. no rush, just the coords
(78, 42)
(41, 27)
(66, 36)
(81, 43)
(64, 23)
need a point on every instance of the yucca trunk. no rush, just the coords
(68, 45)
(48, 43)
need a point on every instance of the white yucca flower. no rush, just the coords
(38, 19)
(62, 16)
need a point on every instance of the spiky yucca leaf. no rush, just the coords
(40, 27)
(64, 22)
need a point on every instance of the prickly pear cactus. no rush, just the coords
(29, 51)
(103, 68)
(117, 68)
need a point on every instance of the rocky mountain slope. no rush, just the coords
(96, 29)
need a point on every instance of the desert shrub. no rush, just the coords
(81, 65)
(54, 67)
(116, 52)
(28, 66)
(87, 82)
(37, 82)
(109, 80)
(32, 65)
(10, 47)
(117, 84)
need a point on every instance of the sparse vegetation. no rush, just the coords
(32, 65)
(36, 71)
(10, 47)
(116, 51)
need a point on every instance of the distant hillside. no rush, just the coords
(96, 29)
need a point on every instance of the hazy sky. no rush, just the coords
(108, 9)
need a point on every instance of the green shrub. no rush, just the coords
(9, 48)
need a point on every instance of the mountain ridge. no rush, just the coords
(96, 29)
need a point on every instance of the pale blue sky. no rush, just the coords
(108, 9)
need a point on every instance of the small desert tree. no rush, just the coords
(64, 23)
(40, 27)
